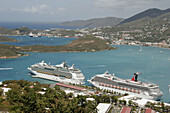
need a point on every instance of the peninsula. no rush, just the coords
(83, 44)
(7, 39)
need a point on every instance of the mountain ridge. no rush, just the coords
(152, 13)
(94, 22)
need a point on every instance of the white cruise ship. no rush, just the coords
(61, 73)
(134, 87)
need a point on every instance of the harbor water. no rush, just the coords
(152, 62)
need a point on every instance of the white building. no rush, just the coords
(140, 101)
(5, 90)
(90, 99)
(103, 107)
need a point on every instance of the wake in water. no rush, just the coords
(97, 66)
(5, 68)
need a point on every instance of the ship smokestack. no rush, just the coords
(135, 77)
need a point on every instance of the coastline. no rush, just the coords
(10, 57)
(20, 55)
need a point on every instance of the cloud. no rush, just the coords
(116, 3)
(40, 9)
(35, 9)
(61, 9)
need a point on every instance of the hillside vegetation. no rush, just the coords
(84, 44)
(27, 97)
(151, 13)
(10, 51)
(95, 22)
(7, 39)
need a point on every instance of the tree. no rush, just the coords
(130, 102)
(124, 102)
(115, 100)
(1, 92)
(163, 106)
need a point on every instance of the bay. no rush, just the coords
(28, 41)
(153, 62)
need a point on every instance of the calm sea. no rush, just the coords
(153, 62)
(34, 25)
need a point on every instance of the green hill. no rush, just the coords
(9, 51)
(140, 23)
(84, 44)
(16, 31)
(7, 39)
(95, 22)
(150, 13)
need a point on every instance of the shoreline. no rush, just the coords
(158, 46)
(19, 55)
(10, 57)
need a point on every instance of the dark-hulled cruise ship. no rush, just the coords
(61, 73)
(133, 86)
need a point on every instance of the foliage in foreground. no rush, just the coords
(25, 96)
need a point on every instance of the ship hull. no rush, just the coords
(141, 95)
(56, 78)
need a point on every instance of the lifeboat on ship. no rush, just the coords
(138, 91)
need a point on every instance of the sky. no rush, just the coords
(68, 10)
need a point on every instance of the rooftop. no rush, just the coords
(126, 110)
(103, 107)
(70, 86)
(149, 111)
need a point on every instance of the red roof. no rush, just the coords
(70, 86)
(149, 111)
(126, 110)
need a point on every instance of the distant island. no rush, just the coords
(83, 44)
(147, 28)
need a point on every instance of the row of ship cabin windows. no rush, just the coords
(121, 88)
(53, 74)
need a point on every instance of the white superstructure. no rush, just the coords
(134, 87)
(61, 73)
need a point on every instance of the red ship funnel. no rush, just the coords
(133, 79)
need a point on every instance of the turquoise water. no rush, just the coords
(153, 62)
(26, 40)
